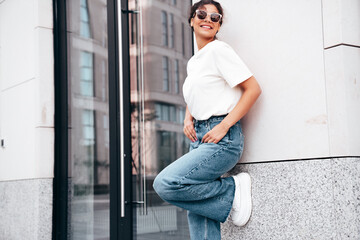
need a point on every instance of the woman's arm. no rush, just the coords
(251, 91)
(189, 129)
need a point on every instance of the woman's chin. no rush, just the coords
(205, 35)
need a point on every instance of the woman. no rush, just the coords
(219, 90)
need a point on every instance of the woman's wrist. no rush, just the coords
(225, 124)
(188, 118)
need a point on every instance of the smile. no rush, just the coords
(206, 26)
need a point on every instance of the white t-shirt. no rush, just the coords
(212, 74)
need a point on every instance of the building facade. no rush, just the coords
(91, 109)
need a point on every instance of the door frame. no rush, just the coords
(60, 188)
(121, 224)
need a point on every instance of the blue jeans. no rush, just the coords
(194, 182)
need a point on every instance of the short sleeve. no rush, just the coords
(230, 66)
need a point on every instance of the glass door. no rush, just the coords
(88, 173)
(119, 70)
(160, 41)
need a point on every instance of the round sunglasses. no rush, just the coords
(214, 17)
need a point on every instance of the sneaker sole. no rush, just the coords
(246, 180)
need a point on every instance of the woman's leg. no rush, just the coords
(193, 181)
(203, 228)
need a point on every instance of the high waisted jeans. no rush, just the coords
(194, 182)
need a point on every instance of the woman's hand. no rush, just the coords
(189, 129)
(216, 134)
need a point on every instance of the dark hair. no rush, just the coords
(201, 3)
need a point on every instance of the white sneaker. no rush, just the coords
(242, 205)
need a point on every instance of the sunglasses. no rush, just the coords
(214, 17)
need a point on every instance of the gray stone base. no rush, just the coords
(26, 209)
(310, 199)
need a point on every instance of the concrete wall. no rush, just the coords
(306, 56)
(27, 91)
(311, 90)
(26, 118)
(302, 200)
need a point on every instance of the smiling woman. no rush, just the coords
(218, 90)
(207, 22)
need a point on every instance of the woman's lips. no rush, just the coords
(206, 27)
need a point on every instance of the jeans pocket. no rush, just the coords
(193, 145)
(227, 138)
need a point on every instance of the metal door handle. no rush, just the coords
(143, 110)
(142, 105)
(141, 83)
(121, 88)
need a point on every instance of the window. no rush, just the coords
(172, 113)
(181, 115)
(165, 112)
(84, 19)
(165, 67)
(173, 2)
(167, 148)
(86, 74)
(177, 76)
(172, 30)
(164, 22)
(185, 143)
(164, 139)
(158, 111)
(88, 125)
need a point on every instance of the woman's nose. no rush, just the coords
(207, 18)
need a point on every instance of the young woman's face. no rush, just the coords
(205, 28)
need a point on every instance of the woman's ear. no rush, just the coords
(192, 22)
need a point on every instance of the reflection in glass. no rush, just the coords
(161, 44)
(86, 74)
(177, 76)
(172, 30)
(164, 28)
(88, 167)
(165, 68)
(84, 19)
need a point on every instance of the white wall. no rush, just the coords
(26, 89)
(311, 91)
(342, 72)
(311, 96)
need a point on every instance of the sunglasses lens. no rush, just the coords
(201, 14)
(215, 17)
